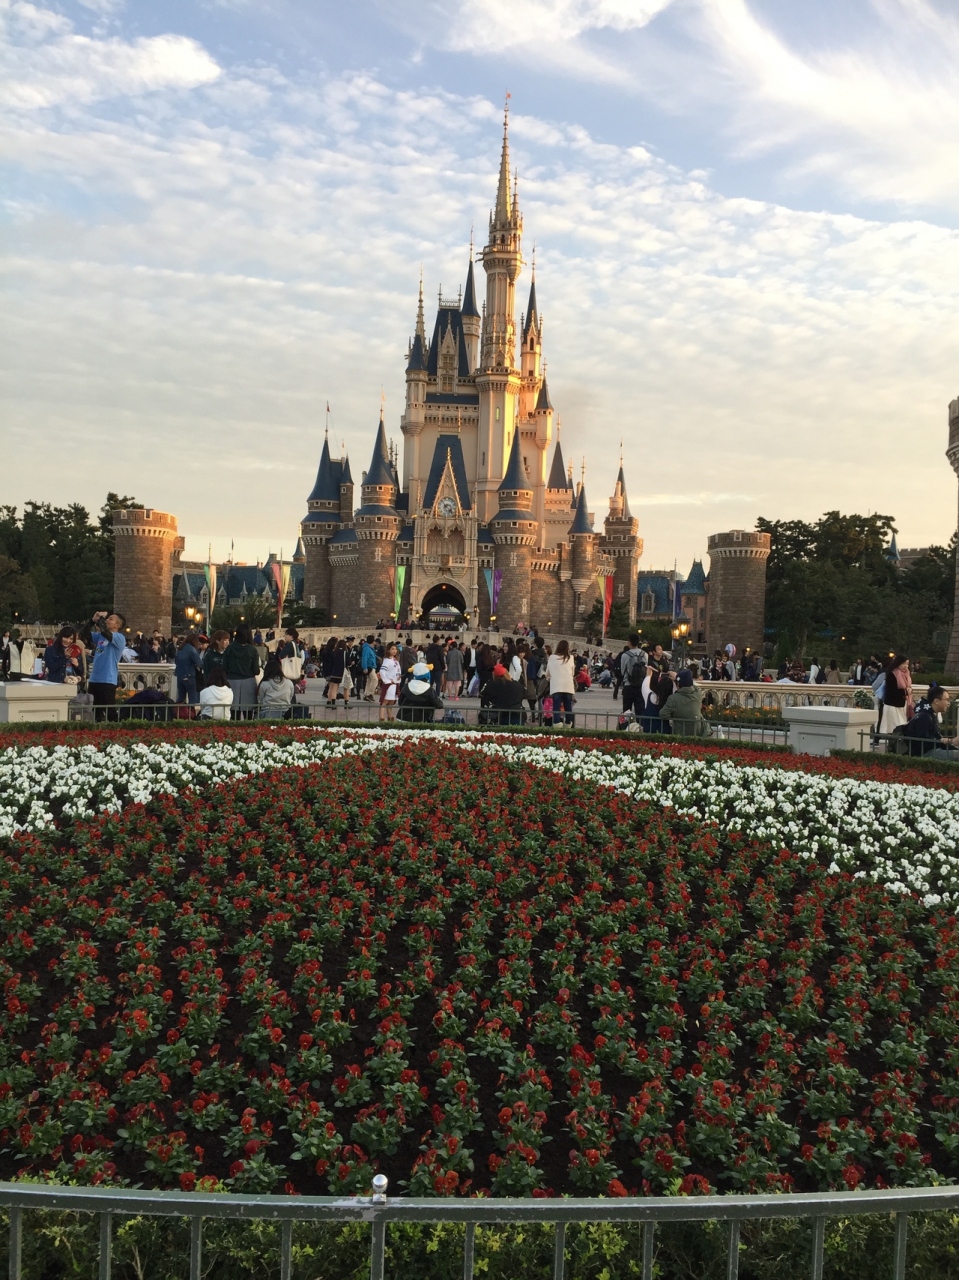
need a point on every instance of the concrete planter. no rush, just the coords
(35, 700)
(815, 730)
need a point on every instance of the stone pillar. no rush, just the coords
(147, 552)
(736, 601)
(952, 453)
(513, 602)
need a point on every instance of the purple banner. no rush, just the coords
(497, 583)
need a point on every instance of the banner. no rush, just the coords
(606, 595)
(677, 599)
(497, 583)
(210, 574)
(488, 575)
(281, 580)
(400, 584)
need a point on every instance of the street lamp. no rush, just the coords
(680, 631)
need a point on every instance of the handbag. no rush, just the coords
(292, 667)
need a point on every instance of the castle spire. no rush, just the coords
(420, 322)
(468, 307)
(503, 213)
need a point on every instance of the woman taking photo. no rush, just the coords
(63, 658)
(559, 671)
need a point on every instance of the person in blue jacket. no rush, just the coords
(188, 663)
(108, 641)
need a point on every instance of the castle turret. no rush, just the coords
(514, 532)
(736, 596)
(621, 542)
(148, 551)
(472, 323)
(318, 526)
(367, 597)
(583, 557)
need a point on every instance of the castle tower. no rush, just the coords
(952, 453)
(147, 553)
(736, 598)
(498, 380)
(583, 543)
(367, 597)
(514, 533)
(318, 526)
(623, 543)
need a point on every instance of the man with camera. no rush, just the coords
(108, 640)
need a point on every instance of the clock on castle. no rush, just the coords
(483, 517)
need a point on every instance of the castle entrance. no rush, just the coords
(446, 600)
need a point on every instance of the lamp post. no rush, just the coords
(680, 631)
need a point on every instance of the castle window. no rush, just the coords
(649, 602)
(737, 536)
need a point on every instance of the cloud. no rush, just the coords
(195, 276)
(492, 25)
(37, 71)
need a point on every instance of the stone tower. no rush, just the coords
(952, 453)
(147, 552)
(515, 533)
(622, 542)
(736, 600)
(377, 523)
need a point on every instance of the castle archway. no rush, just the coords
(443, 595)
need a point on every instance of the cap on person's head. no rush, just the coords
(500, 670)
(685, 680)
(422, 670)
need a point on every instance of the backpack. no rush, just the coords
(637, 674)
(820, 676)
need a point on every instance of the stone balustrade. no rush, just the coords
(759, 696)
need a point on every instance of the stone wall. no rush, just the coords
(148, 550)
(736, 603)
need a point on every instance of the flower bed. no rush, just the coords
(843, 813)
(473, 974)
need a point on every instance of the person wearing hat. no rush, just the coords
(419, 700)
(501, 699)
(683, 709)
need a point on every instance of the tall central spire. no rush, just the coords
(503, 213)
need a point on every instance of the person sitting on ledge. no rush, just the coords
(502, 698)
(922, 734)
(683, 709)
(419, 700)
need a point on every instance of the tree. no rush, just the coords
(18, 598)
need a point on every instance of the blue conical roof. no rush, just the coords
(381, 469)
(417, 360)
(325, 489)
(542, 400)
(557, 472)
(695, 584)
(581, 522)
(345, 475)
(469, 297)
(892, 551)
(515, 478)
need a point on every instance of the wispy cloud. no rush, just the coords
(45, 63)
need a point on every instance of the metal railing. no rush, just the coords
(453, 715)
(380, 1211)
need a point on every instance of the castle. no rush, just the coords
(484, 517)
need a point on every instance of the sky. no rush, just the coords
(214, 214)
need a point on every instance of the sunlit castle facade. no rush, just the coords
(483, 515)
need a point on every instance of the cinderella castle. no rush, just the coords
(484, 517)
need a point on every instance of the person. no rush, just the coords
(833, 674)
(897, 694)
(434, 659)
(502, 698)
(560, 670)
(216, 696)
(334, 668)
(241, 665)
(214, 654)
(368, 666)
(923, 734)
(188, 663)
(155, 651)
(632, 672)
(108, 644)
(419, 701)
(816, 675)
(683, 709)
(454, 672)
(62, 658)
(288, 653)
(390, 675)
(5, 644)
(657, 687)
(658, 660)
(275, 694)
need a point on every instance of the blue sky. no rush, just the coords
(214, 217)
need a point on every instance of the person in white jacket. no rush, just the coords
(560, 669)
(216, 696)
